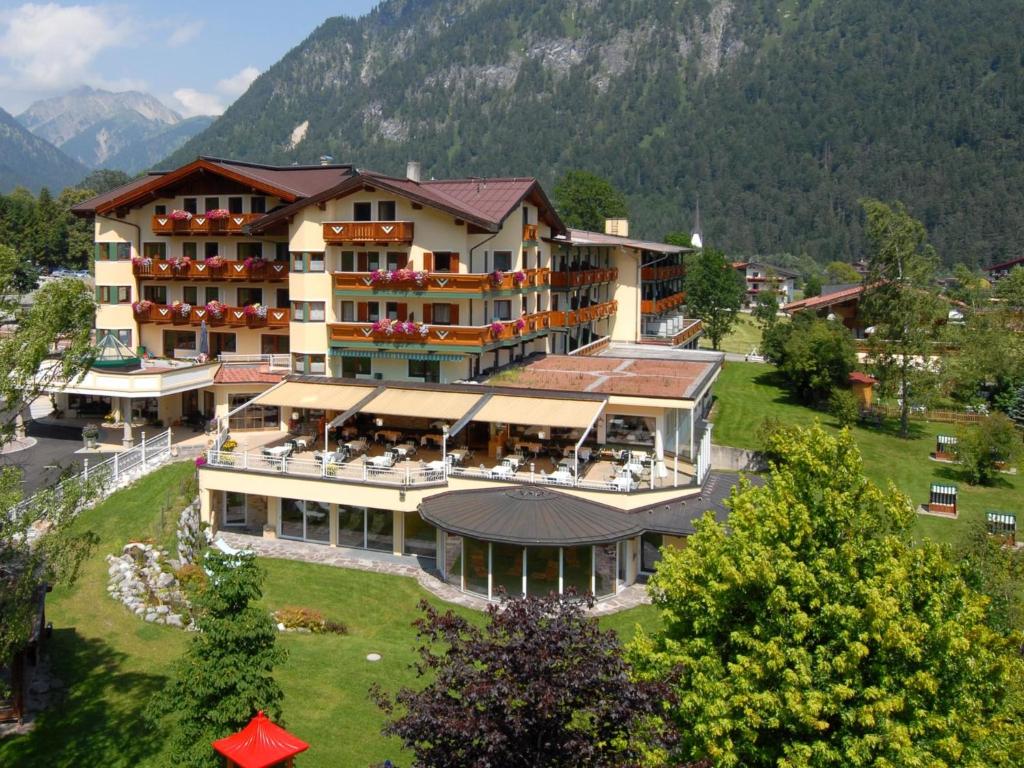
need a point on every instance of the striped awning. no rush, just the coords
(335, 352)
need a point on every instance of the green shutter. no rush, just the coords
(112, 251)
(97, 250)
(98, 299)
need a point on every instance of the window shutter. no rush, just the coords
(97, 251)
(363, 311)
(428, 313)
(428, 261)
(362, 261)
(454, 314)
(454, 262)
(99, 294)
(112, 251)
(403, 311)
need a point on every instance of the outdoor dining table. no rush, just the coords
(431, 437)
(501, 470)
(391, 435)
(561, 477)
(514, 461)
(405, 449)
(534, 448)
(356, 446)
(584, 452)
(348, 432)
(278, 451)
(623, 483)
(458, 455)
(302, 442)
(387, 460)
(633, 467)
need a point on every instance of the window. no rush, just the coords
(356, 366)
(298, 262)
(502, 309)
(308, 520)
(191, 205)
(445, 261)
(155, 293)
(420, 536)
(281, 251)
(122, 251)
(113, 294)
(441, 314)
(298, 312)
(273, 344)
(317, 312)
(254, 416)
(258, 205)
(391, 310)
(190, 250)
(316, 262)
(211, 203)
(234, 205)
(503, 260)
(428, 370)
(386, 210)
(154, 250)
(159, 210)
(248, 296)
(348, 312)
(190, 294)
(209, 250)
(250, 251)
(362, 211)
(308, 262)
(308, 311)
(211, 293)
(124, 335)
(348, 261)
(373, 311)
(631, 430)
(178, 340)
(397, 260)
(234, 508)
(314, 364)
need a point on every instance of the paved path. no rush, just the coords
(630, 597)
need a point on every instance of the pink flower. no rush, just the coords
(496, 277)
(179, 215)
(520, 324)
(497, 328)
(201, 460)
(519, 277)
(217, 213)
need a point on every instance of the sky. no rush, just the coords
(196, 57)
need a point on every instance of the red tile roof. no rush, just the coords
(825, 300)
(246, 374)
(862, 378)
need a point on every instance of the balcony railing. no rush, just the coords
(439, 282)
(401, 475)
(580, 277)
(368, 232)
(186, 314)
(256, 271)
(668, 272)
(657, 306)
(571, 317)
(468, 336)
(201, 224)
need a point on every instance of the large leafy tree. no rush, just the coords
(714, 293)
(987, 358)
(901, 303)
(1010, 289)
(983, 448)
(812, 632)
(814, 355)
(539, 686)
(584, 200)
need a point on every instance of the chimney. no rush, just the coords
(326, 159)
(618, 227)
(412, 170)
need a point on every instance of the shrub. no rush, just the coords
(844, 406)
(814, 355)
(192, 578)
(984, 448)
(229, 445)
(308, 618)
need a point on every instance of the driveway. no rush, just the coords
(54, 452)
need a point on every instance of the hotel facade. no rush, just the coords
(438, 369)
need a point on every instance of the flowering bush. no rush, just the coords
(215, 262)
(182, 264)
(179, 215)
(497, 328)
(519, 277)
(183, 309)
(141, 307)
(520, 324)
(401, 327)
(255, 310)
(215, 309)
(201, 460)
(398, 276)
(217, 213)
(496, 277)
(253, 262)
(142, 261)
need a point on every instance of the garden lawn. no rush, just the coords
(747, 393)
(112, 661)
(745, 336)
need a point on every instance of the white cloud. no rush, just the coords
(185, 32)
(195, 102)
(48, 46)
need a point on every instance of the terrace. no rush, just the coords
(449, 284)
(422, 336)
(248, 270)
(186, 314)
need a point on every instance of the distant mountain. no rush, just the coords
(127, 131)
(29, 161)
(779, 114)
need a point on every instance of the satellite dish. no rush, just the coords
(695, 241)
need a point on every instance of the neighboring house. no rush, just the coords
(761, 277)
(999, 271)
(335, 271)
(843, 304)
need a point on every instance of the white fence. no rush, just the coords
(401, 475)
(275, 362)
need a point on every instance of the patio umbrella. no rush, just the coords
(204, 339)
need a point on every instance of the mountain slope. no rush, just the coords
(29, 161)
(779, 114)
(128, 131)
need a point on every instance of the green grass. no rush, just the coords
(745, 336)
(112, 662)
(749, 392)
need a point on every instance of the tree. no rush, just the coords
(584, 200)
(844, 406)
(1010, 289)
(984, 447)
(812, 287)
(900, 302)
(226, 674)
(996, 571)
(540, 686)
(714, 293)
(970, 288)
(1015, 408)
(766, 309)
(814, 355)
(811, 632)
(841, 272)
(987, 359)
(102, 180)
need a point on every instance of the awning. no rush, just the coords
(395, 401)
(335, 352)
(301, 394)
(550, 411)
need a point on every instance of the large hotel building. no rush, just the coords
(429, 369)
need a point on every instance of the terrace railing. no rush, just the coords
(400, 476)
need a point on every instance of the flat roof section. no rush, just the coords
(664, 376)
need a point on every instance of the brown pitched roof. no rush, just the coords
(1006, 264)
(825, 300)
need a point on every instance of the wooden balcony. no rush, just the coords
(669, 272)
(529, 233)
(368, 232)
(471, 338)
(168, 314)
(572, 317)
(236, 271)
(657, 306)
(201, 224)
(581, 277)
(436, 283)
